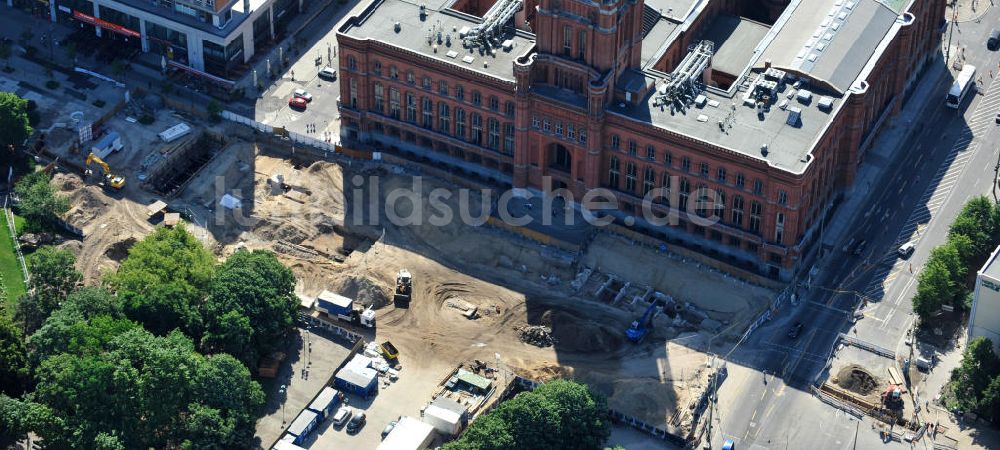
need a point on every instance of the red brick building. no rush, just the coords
(766, 105)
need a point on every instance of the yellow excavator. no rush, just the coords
(116, 182)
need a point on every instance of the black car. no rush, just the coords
(795, 330)
(993, 43)
(357, 423)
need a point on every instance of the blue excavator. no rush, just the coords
(640, 327)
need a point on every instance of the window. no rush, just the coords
(650, 153)
(630, 177)
(493, 137)
(737, 211)
(703, 200)
(615, 142)
(583, 136)
(508, 138)
(703, 169)
(779, 228)
(535, 122)
(352, 62)
(494, 103)
(410, 78)
(665, 184)
(379, 98)
(427, 109)
(477, 129)
(559, 128)
(354, 93)
(477, 98)
(758, 187)
(546, 126)
(668, 159)
(444, 118)
(567, 40)
(460, 123)
(720, 204)
(648, 180)
(377, 68)
(685, 189)
(443, 87)
(632, 147)
(581, 44)
(740, 180)
(613, 172)
(686, 164)
(782, 198)
(394, 103)
(720, 174)
(570, 132)
(755, 209)
(393, 72)
(411, 107)
(509, 109)
(459, 93)
(427, 83)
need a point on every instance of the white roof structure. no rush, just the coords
(408, 434)
(336, 299)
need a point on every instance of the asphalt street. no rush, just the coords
(947, 157)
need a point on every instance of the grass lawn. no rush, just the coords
(10, 269)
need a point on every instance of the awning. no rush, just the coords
(209, 76)
(104, 24)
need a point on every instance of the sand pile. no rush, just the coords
(365, 292)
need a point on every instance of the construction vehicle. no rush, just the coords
(111, 181)
(640, 327)
(341, 308)
(389, 351)
(404, 288)
(892, 398)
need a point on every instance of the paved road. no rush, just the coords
(947, 158)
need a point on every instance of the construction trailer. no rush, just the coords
(286, 443)
(326, 402)
(360, 381)
(175, 132)
(338, 307)
(303, 425)
(111, 142)
(409, 434)
(445, 421)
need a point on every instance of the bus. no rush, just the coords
(963, 84)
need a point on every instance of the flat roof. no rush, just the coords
(334, 298)
(992, 268)
(324, 398)
(829, 40)
(378, 20)
(473, 379)
(304, 420)
(675, 9)
(408, 434)
(170, 15)
(735, 39)
(656, 38)
(788, 145)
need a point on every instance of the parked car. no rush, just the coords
(388, 428)
(342, 416)
(906, 250)
(328, 73)
(357, 423)
(297, 103)
(993, 43)
(795, 330)
(303, 94)
(998, 118)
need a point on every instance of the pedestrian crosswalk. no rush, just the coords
(938, 192)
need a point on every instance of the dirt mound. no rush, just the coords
(281, 231)
(365, 292)
(579, 334)
(119, 250)
(65, 182)
(857, 380)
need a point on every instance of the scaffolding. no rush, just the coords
(682, 86)
(493, 22)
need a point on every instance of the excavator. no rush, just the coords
(112, 181)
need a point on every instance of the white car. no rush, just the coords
(342, 416)
(328, 73)
(301, 93)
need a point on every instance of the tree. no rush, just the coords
(14, 369)
(249, 288)
(947, 255)
(37, 200)
(979, 366)
(14, 127)
(214, 109)
(990, 404)
(164, 280)
(19, 417)
(53, 277)
(557, 415)
(934, 287)
(977, 221)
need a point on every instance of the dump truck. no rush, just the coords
(404, 288)
(389, 351)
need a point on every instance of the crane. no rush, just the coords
(114, 181)
(640, 326)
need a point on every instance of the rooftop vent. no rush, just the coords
(468, 59)
(396, 26)
(805, 96)
(700, 100)
(763, 149)
(794, 116)
(825, 104)
(702, 118)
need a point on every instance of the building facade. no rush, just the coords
(747, 119)
(985, 317)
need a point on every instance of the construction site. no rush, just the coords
(631, 320)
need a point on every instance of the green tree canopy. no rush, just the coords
(980, 365)
(557, 415)
(53, 277)
(14, 369)
(38, 201)
(249, 288)
(164, 281)
(14, 127)
(977, 220)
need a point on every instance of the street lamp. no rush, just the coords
(281, 392)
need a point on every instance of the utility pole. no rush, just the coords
(951, 30)
(996, 173)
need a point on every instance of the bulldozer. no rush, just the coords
(404, 288)
(111, 181)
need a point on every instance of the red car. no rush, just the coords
(297, 103)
